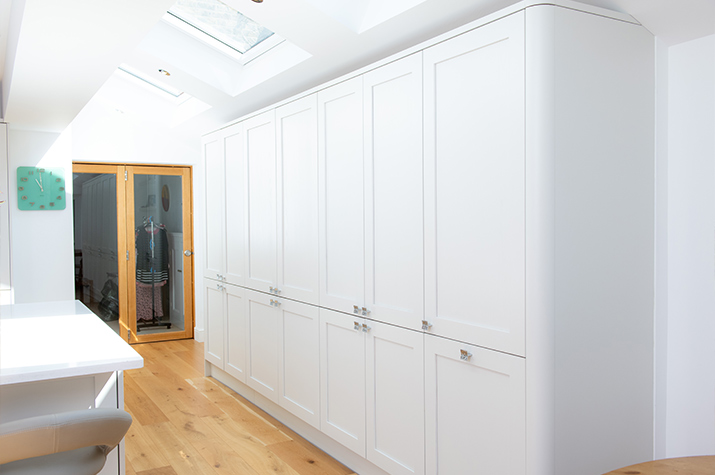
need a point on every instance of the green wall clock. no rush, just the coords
(40, 189)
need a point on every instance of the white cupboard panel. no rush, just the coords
(263, 326)
(297, 185)
(395, 398)
(475, 410)
(394, 208)
(299, 361)
(474, 196)
(215, 205)
(236, 326)
(340, 151)
(214, 302)
(235, 166)
(342, 379)
(260, 152)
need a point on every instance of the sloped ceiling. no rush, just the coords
(59, 54)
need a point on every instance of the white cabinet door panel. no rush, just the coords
(214, 303)
(215, 205)
(299, 361)
(235, 205)
(393, 192)
(395, 398)
(260, 153)
(475, 410)
(340, 151)
(342, 379)
(236, 334)
(474, 192)
(297, 186)
(263, 325)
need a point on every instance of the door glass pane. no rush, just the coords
(159, 246)
(95, 244)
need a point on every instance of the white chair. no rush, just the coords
(68, 443)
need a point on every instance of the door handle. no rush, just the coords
(188, 253)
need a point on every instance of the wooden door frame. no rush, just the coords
(125, 236)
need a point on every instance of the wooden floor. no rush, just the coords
(187, 424)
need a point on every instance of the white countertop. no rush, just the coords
(51, 340)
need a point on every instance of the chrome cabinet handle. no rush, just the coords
(356, 325)
(464, 355)
(426, 325)
(275, 303)
(365, 311)
(366, 328)
(274, 290)
(356, 309)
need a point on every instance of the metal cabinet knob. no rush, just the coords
(365, 311)
(356, 309)
(426, 325)
(356, 325)
(275, 303)
(464, 355)
(366, 328)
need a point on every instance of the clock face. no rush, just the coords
(40, 189)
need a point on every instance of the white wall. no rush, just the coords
(690, 421)
(42, 241)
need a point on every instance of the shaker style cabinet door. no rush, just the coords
(235, 206)
(475, 409)
(394, 263)
(394, 362)
(341, 181)
(262, 327)
(236, 334)
(215, 305)
(342, 379)
(299, 360)
(261, 236)
(214, 185)
(474, 186)
(297, 186)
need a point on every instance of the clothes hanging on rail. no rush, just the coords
(144, 304)
(152, 270)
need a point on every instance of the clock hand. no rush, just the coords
(39, 184)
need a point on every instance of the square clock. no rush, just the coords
(40, 189)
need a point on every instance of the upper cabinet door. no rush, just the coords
(341, 181)
(297, 186)
(474, 186)
(260, 153)
(235, 167)
(393, 193)
(215, 185)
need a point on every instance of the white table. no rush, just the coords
(59, 356)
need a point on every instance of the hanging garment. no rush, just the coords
(152, 247)
(144, 306)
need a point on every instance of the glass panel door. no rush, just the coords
(160, 265)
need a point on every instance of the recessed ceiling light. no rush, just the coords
(165, 72)
(258, 1)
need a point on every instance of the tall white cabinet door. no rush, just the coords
(342, 379)
(260, 153)
(215, 305)
(297, 186)
(299, 361)
(214, 185)
(475, 409)
(341, 181)
(263, 324)
(235, 205)
(394, 363)
(474, 186)
(236, 332)
(394, 262)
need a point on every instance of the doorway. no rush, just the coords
(134, 248)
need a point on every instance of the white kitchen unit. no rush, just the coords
(59, 356)
(485, 252)
(6, 296)
(226, 340)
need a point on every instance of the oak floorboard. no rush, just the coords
(185, 423)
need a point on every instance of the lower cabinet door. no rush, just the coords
(299, 360)
(394, 364)
(214, 301)
(475, 409)
(342, 378)
(236, 324)
(262, 320)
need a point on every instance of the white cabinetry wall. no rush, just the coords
(5, 281)
(443, 250)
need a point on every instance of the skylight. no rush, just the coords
(221, 22)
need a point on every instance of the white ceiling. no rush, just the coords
(57, 55)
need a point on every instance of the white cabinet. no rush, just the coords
(226, 339)
(394, 270)
(474, 186)
(341, 181)
(263, 323)
(261, 243)
(225, 184)
(372, 387)
(297, 187)
(475, 409)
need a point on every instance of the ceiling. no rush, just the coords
(55, 56)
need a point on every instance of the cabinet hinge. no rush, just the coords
(127, 255)
(129, 334)
(126, 175)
